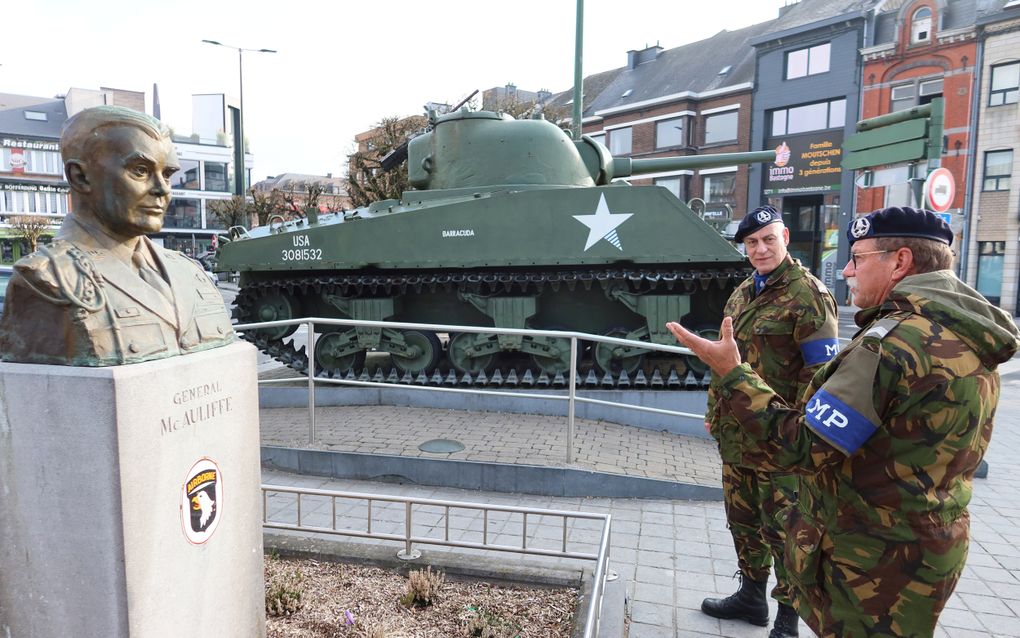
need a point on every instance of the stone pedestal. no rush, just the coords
(129, 499)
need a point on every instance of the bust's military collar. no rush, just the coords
(103, 240)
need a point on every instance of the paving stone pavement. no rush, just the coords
(671, 553)
(498, 437)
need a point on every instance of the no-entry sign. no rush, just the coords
(940, 190)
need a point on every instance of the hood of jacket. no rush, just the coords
(941, 297)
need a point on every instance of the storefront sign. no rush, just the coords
(29, 145)
(34, 188)
(808, 163)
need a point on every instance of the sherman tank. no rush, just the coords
(510, 223)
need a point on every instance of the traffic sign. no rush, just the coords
(903, 136)
(940, 190)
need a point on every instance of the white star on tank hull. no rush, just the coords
(603, 224)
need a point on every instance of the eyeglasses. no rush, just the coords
(854, 256)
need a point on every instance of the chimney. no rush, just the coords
(647, 54)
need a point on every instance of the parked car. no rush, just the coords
(5, 276)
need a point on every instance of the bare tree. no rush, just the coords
(231, 212)
(367, 182)
(29, 228)
(322, 196)
(524, 109)
(264, 205)
(309, 197)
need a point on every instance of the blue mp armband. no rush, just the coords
(819, 350)
(839, 424)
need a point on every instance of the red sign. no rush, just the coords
(18, 161)
(940, 190)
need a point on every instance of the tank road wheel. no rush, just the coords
(607, 361)
(694, 364)
(276, 307)
(426, 352)
(461, 354)
(559, 358)
(329, 351)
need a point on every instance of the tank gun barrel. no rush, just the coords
(626, 167)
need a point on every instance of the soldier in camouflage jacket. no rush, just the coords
(889, 439)
(785, 324)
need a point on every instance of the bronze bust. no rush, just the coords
(103, 293)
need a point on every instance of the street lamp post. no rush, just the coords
(241, 171)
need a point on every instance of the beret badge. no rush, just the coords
(860, 227)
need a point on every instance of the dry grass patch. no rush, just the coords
(336, 600)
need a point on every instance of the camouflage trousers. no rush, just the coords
(874, 582)
(753, 502)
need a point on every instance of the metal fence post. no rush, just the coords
(570, 399)
(311, 383)
(408, 553)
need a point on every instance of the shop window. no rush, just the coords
(216, 176)
(187, 177)
(620, 141)
(1005, 84)
(670, 133)
(211, 220)
(190, 245)
(920, 26)
(809, 61)
(183, 213)
(721, 128)
(991, 255)
(720, 188)
(998, 167)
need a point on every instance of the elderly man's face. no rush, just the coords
(869, 273)
(766, 248)
(129, 176)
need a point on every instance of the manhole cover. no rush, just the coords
(441, 446)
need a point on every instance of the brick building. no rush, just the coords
(923, 49)
(689, 100)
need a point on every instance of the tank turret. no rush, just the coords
(510, 223)
(468, 149)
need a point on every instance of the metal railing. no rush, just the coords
(571, 397)
(601, 572)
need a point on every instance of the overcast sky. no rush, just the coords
(341, 66)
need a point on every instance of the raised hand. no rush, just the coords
(722, 355)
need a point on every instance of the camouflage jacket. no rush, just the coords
(887, 445)
(785, 333)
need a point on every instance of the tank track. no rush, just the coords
(490, 282)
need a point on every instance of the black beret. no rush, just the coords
(758, 218)
(900, 221)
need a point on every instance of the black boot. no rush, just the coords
(786, 623)
(747, 604)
